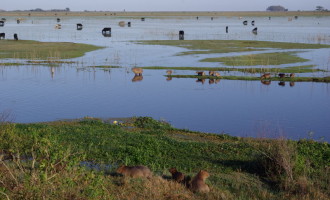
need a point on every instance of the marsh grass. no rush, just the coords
(56, 149)
(34, 50)
(258, 59)
(250, 78)
(294, 69)
(228, 46)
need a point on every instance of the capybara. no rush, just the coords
(265, 76)
(134, 171)
(198, 183)
(176, 175)
(281, 75)
(137, 71)
(292, 75)
(217, 74)
(211, 73)
(169, 72)
(200, 73)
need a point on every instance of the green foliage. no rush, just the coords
(55, 151)
(150, 123)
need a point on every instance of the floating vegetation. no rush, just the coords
(229, 46)
(277, 58)
(295, 69)
(250, 78)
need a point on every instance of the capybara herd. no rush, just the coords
(197, 184)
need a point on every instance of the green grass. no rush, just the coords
(240, 168)
(295, 69)
(250, 78)
(258, 59)
(228, 46)
(34, 50)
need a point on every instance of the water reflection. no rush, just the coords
(137, 78)
(266, 82)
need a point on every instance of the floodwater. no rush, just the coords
(239, 108)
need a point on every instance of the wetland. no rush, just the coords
(87, 74)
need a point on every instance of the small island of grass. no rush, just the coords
(34, 50)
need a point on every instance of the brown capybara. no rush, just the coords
(292, 75)
(137, 71)
(198, 183)
(169, 72)
(281, 75)
(211, 73)
(176, 175)
(265, 76)
(217, 74)
(135, 171)
(200, 73)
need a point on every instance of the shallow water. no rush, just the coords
(241, 108)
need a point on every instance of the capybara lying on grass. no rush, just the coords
(134, 171)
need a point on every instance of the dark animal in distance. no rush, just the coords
(255, 31)
(15, 36)
(2, 35)
(245, 22)
(2, 23)
(181, 35)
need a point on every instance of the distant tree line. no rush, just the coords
(320, 8)
(41, 10)
(276, 8)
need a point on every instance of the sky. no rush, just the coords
(162, 5)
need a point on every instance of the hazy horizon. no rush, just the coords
(169, 5)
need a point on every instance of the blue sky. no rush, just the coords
(164, 5)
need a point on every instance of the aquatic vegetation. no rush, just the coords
(34, 50)
(228, 46)
(295, 69)
(258, 59)
(251, 78)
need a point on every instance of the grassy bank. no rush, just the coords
(44, 160)
(34, 50)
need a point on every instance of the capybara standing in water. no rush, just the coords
(198, 183)
(135, 171)
(169, 72)
(217, 74)
(211, 73)
(281, 75)
(292, 75)
(265, 76)
(137, 71)
(200, 73)
(176, 175)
